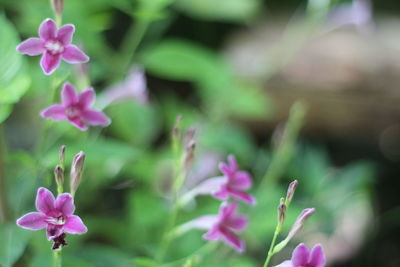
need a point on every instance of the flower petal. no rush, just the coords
(33, 221)
(242, 181)
(232, 240)
(317, 257)
(55, 112)
(44, 201)
(50, 62)
(243, 196)
(72, 54)
(78, 123)
(74, 225)
(65, 204)
(69, 96)
(94, 118)
(233, 166)
(87, 98)
(237, 223)
(227, 210)
(222, 194)
(300, 255)
(212, 234)
(53, 231)
(48, 30)
(64, 34)
(31, 47)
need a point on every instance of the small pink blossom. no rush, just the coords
(54, 44)
(76, 108)
(223, 226)
(235, 182)
(302, 257)
(56, 215)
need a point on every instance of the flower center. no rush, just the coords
(60, 220)
(72, 112)
(54, 47)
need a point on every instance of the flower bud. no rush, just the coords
(281, 212)
(58, 7)
(76, 171)
(189, 154)
(290, 192)
(59, 176)
(61, 156)
(300, 221)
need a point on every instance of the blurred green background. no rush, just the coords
(294, 89)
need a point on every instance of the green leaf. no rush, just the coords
(5, 111)
(13, 243)
(182, 60)
(221, 10)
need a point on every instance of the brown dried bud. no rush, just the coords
(76, 171)
(281, 213)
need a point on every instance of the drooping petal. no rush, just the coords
(45, 201)
(49, 62)
(231, 239)
(285, 264)
(242, 181)
(94, 118)
(55, 112)
(87, 98)
(69, 96)
(243, 196)
(65, 204)
(74, 225)
(64, 34)
(33, 221)
(72, 54)
(48, 30)
(53, 231)
(317, 257)
(300, 256)
(78, 123)
(212, 234)
(31, 47)
(237, 223)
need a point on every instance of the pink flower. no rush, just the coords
(235, 182)
(76, 108)
(53, 44)
(223, 226)
(54, 214)
(302, 257)
(227, 224)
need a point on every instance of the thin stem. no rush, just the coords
(57, 262)
(3, 198)
(271, 248)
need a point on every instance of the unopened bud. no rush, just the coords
(59, 176)
(290, 192)
(281, 212)
(61, 155)
(176, 129)
(300, 221)
(76, 171)
(58, 7)
(189, 154)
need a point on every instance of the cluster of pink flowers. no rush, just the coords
(227, 223)
(55, 44)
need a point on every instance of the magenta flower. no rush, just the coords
(76, 108)
(54, 214)
(235, 182)
(302, 257)
(226, 226)
(53, 44)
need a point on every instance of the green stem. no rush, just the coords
(3, 199)
(57, 262)
(271, 248)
